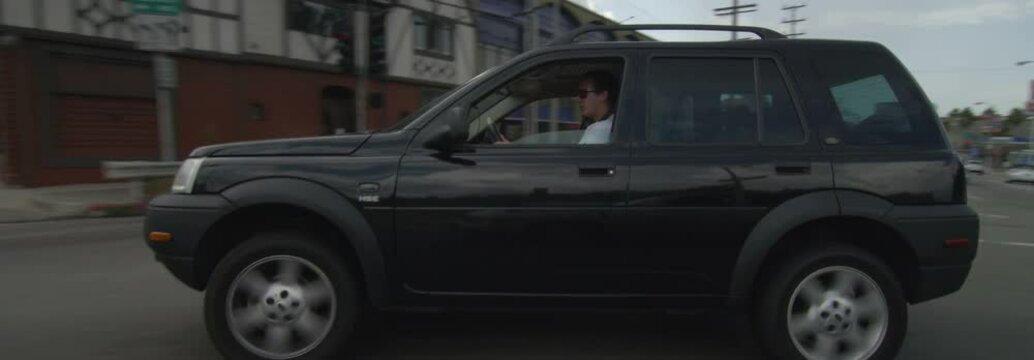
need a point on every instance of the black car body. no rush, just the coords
(633, 224)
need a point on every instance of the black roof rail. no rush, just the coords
(569, 37)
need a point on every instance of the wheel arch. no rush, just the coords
(853, 217)
(272, 203)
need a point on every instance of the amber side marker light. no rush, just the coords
(158, 236)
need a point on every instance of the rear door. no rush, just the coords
(711, 159)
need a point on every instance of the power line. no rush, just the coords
(793, 20)
(734, 11)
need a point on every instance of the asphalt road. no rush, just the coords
(89, 289)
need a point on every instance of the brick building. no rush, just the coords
(75, 90)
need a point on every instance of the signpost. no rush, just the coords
(159, 25)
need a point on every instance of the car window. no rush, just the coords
(876, 102)
(540, 106)
(713, 101)
(701, 101)
(780, 122)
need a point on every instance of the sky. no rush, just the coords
(962, 52)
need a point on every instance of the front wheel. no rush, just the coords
(281, 295)
(834, 301)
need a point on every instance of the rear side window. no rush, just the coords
(876, 102)
(715, 101)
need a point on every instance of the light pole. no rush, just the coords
(985, 138)
(1030, 117)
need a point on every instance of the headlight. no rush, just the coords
(184, 182)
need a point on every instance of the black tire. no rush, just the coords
(291, 244)
(775, 291)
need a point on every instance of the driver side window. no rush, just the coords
(544, 106)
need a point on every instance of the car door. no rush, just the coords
(521, 218)
(707, 165)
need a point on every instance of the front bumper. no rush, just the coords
(187, 218)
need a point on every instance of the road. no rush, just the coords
(90, 289)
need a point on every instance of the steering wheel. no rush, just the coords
(491, 135)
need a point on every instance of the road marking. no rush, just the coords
(974, 197)
(1008, 243)
(994, 216)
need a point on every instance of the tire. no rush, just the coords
(836, 291)
(282, 295)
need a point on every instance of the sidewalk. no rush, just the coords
(71, 201)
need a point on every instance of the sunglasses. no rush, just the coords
(582, 93)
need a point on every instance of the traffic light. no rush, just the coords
(346, 47)
(378, 49)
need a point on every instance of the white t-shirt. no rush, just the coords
(598, 132)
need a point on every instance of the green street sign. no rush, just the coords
(157, 7)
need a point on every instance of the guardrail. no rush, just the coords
(139, 171)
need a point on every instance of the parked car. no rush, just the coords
(975, 166)
(1023, 173)
(804, 182)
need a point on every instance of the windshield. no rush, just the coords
(409, 119)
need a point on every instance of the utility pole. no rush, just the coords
(734, 11)
(793, 20)
(361, 51)
(554, 105)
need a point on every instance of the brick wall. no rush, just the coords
(99, 127)
(8, 125)
(216, 100)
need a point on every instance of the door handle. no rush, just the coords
(596, 170)
(793, 169)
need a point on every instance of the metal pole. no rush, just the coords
(735, 16)
(362, 49)
(554, 106)
(165, 94)
(532, 125)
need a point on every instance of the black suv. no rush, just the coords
(806, 183)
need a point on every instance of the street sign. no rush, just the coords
(158, 24)
(157, 7)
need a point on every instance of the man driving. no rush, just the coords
(597, 97)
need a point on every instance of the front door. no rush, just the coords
(524, 208)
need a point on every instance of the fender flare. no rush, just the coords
(789, 215)
(332, 206)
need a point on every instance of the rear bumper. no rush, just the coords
(936, 281)
(941, 270)
(187, 218)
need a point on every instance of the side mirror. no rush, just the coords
(449, 132)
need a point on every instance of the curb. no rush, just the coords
(116, 210)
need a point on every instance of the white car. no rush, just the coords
(975, 166)
(1021, 173)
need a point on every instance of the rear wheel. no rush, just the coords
(281, 295)
(835, 301)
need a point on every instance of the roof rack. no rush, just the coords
(569, 37)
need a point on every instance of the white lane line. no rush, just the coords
(1008, 243)
(994, 216)
(974, 197)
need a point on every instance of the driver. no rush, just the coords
(597, 96)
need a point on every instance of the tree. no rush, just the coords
(1015, 119)
(967, 118)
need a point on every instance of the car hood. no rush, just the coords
(337, 145)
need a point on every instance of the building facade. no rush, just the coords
(75, 90)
